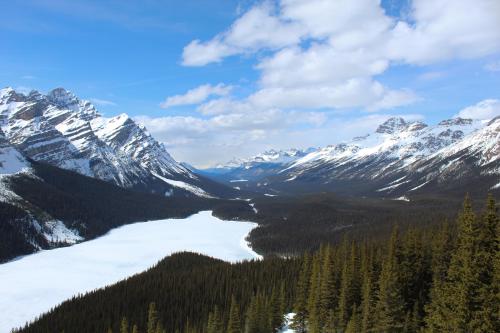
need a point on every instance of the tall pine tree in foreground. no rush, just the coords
(390, 306)
(467, 299)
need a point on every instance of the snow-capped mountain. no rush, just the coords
(270, 156)
(393, 146)
(397, 158)
(60, 129)
(241, 170)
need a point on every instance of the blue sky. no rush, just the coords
(262, 74)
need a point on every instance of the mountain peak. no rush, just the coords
(392, 125)
(62, 97)
(8, 94)
(455, 121)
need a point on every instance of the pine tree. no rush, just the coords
(460, 303)
(210, 323)
(314, 292)
(353, 326)
(442, 248)
(390, 306)
(302, 294)
(349, 288)
(135, 329)
(251, 322)
(124, 325)
(234, 324)
(275, 313)
(218, 325)
(328, 292)
(367, 304)
(486, 318)
(152, 318)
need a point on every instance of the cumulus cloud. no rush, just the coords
(196, 95)
(487, 109)
(316, 58)
(255, 29)
(348, 44)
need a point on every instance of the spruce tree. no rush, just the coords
(275, 312)
(302, 294)
(314, 292)
(234, 324)
(486, 319)
(218, 325)
(367, 299)
(353, 326)
(390, 306)
(328, 292)
(349, 288)
(152, 318)
(124, 325)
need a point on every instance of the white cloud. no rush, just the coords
(102, 102)
(348, 43)
(255, 29)
(440, 29)
(197, 95)
(328, 55)
(487, 109)
(205, 142)
(394, 98)
(493, 66)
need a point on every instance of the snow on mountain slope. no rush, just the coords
(44, 231)
(188, 187)
(394, 145)
(270, 156)
(62, 130)
(402, 156)
(11, 161)
(124, 135)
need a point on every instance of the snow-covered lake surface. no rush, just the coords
(35, 283)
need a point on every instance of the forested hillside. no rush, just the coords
(87, 205)
(443, 278)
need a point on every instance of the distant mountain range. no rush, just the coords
(399, 159)
(256, 167)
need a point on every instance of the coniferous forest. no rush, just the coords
(441, 278)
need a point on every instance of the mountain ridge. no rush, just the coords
(62, 130)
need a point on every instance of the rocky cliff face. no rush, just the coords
(60, 129)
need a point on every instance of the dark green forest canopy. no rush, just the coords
(438, 278)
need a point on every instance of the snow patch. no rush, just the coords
(185, 186)
(287, 321)
(57, 232)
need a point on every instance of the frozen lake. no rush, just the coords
(35, 283)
